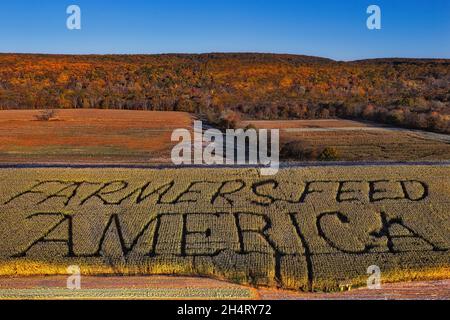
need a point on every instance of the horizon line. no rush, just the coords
(223, 52)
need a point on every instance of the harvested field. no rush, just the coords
(304, 229)
(356, 141)
(144, 287)
(305, 124)
(375, 145)
(142, 137)
(94, 136)
(170, 287)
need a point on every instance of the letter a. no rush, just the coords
(182, 152)
(74, 281)
(374, 21)
(74, 20)
(374, 281)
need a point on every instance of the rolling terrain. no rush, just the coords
(411, 93)
(93, 184)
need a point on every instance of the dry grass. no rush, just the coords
(375, 145)
(115, 136)
(89, 135)
(356, 141)
(293, 124)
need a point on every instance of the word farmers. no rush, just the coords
(234, 147)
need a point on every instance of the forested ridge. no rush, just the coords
(406, 92)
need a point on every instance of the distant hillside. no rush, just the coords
(407, 92)
(410, 61)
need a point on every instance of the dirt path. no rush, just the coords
(161, 165)
(432, 290)
(165, 287)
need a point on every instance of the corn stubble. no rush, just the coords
(303, 229)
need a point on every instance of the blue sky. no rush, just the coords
(329, 28)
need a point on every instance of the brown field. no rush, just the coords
(163, 287)
(293, 124)
(357, 141)
(376, 145)
(89, 136)
(138, 137)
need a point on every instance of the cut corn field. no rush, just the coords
(308, 229)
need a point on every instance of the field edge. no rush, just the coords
(32, 269)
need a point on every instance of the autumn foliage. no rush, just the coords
(403, 92)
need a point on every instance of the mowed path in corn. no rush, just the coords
(167, 287)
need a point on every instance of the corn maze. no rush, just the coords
(303, 229)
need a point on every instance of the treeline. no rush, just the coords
(223, 87)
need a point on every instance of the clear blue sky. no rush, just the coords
(328, 28)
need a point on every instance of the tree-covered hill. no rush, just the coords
(407, 92)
